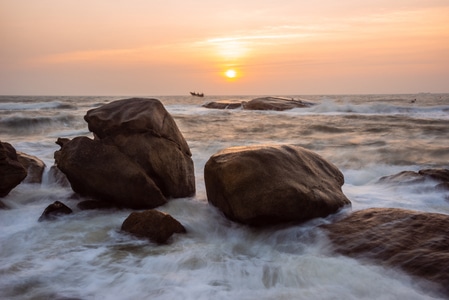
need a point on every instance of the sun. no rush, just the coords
(231, 73)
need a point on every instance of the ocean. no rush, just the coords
(85, 255)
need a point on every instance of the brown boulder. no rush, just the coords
(135, 115)
(104, 173)
(275, 103)
(416, 242)
(138, 158)
(261, 185)
(34, 166)
(170, 169)
(11, 170)
(152, 224)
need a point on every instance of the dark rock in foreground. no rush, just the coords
(104, 173)
(55, 210)
(152, 224)
(138, 159)
(416, 242)
(262, 185)
(11, 170)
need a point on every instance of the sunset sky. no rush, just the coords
(171, 47)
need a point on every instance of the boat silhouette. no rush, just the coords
(197, 94)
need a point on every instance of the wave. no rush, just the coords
(23, 124)
(25, 106)
(331, 107)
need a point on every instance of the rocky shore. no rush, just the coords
(139, 159)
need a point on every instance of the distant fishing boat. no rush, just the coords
(197, 94)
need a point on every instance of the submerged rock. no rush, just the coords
(11, 170)
(138, 159)
(152, 224)
(416, 242)
(55, 210)
(262, 185)
(3, 205)
(223, 104)
(405, 177)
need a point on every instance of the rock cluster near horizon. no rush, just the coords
(263, 103)
(138, 158)
(263, 185)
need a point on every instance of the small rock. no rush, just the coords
(152, 224)
(54, 210)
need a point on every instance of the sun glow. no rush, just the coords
(231, 73)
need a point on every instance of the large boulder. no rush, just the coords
(104, 173)
(416, 242)
(152, 224)
(135, 115)
(11, 170)
(34, 166)
(275, 103)
(261, 185)
(138, 158)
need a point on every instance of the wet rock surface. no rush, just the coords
(416, 242)
(269, 184)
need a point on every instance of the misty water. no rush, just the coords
(86, 256)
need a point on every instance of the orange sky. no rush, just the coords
(171, 47)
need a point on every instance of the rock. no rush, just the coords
(406, 177)
(275, 103)
(264, 103)
(55, 176)
(11, 170)
(138, 159)
(223, 104)
(262, 185)
(170, 169)
(152, 224)
(416, 242)
(55, 210)
(34, 166)
(135, 115)
(439, 175)
(104, 173)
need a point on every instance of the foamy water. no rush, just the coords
(85, 256)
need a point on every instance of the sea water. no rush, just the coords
(86, 256)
